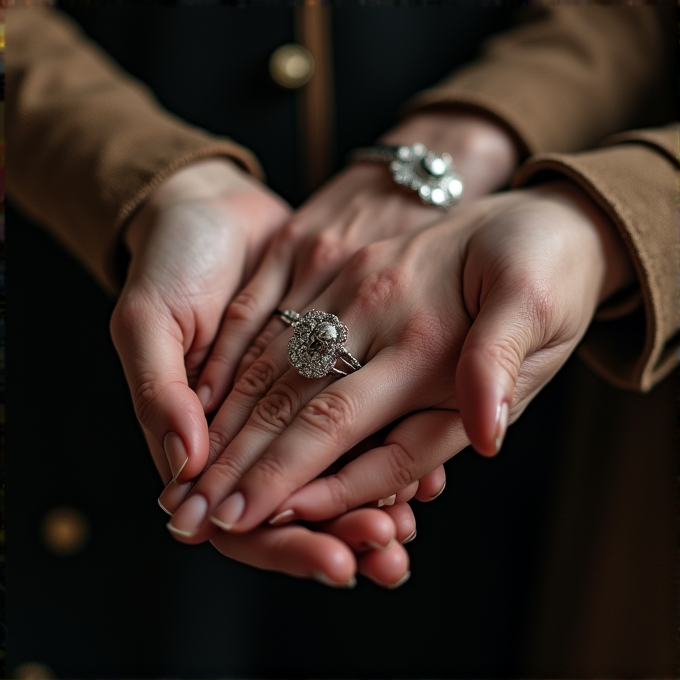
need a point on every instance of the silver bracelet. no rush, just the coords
(433, 177)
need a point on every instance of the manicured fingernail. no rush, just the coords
(173, 495)
(376, 546)
(229, 512)
(410, 537)
(439, 493)
(282, 518)
(387, 501)
(204, 392)
(189, 516)
(400, 582)
(176, 453)
(501, 424)
(322, 578)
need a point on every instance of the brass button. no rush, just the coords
(291, 66)
(65, 531)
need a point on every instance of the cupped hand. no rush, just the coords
(457, 325)
(193, 244)
(359, 206)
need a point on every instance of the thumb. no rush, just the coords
(150, 344)
(508, 328)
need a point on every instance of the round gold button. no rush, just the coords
(65, 531)
(291, 66)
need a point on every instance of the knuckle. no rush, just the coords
(323, 251)
(403, 466)
(126, 316)
(276, 410)
(339, 494)
(381, 287)
(243, 308)
(145, 399)
(271, 472)
(218, 442)
(228, 468)
(330, 414)
(257, 379)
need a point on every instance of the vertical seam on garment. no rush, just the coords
(315, 99)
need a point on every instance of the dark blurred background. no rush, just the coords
(97, 588)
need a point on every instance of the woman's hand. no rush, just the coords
(360, 206)
(458, 326)
(193, 245)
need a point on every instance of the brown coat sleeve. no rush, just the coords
(633, 179)
(87, 143)
(570, 76)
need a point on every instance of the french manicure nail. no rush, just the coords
(387, 501)
(439, 493)
(400, 582)
(173, 495)
(229, 512)
(189, 516)
(204, 392)
(410, 537)
(322, 578)
(175, 452)
(502, 424)
(282, 518)
(376, 546)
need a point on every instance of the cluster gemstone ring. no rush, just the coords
(317, 348)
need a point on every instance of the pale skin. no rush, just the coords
(173, 308)
(458, 324)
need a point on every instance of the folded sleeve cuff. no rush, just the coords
(633, 180)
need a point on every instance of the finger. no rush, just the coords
(293, 550)
(328, 425)
(244, 318)
(414, 448)
(363, 529)
(386, 568)
(404, 521)
(431, 485)
(150, 344)
(269, 418)
(507, 330)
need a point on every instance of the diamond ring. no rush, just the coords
(317, 344)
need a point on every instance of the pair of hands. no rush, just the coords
(458, 324)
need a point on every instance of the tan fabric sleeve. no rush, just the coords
(87, 143)
(633, 179)
(569, 77)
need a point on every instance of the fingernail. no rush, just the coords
(229, 512)
(173, 495)
(387, 501)
(502, 424)
(439, 493)
(374, 545)
(204, 392)
(189, 516)
(176, 453)
(282, 518)
(410, 537)
(400, 582)
(322, 578)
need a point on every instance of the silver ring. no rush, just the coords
(318, 344)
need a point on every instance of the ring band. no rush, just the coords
(318, 344)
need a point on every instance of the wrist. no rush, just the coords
(619, 270)
(484, 152)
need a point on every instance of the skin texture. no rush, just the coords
(458, 325)
(184, 331)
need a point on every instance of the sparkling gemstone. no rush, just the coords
(326, 332)
(438, 196)
(404, 153)
(419, 150)
(455, 187)
(435, 166)
(424, 191)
